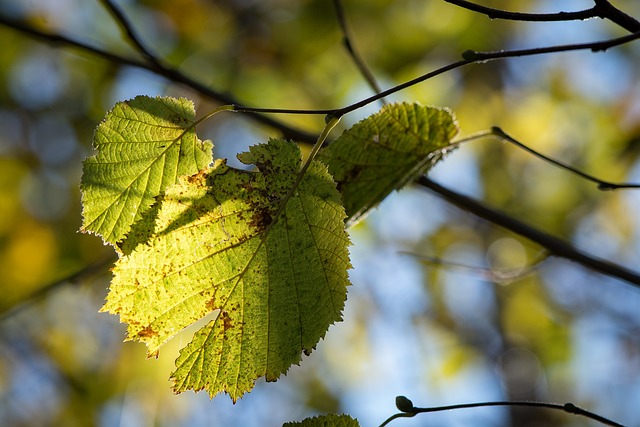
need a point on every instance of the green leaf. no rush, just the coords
(385, 151)
(331, 420)
(143, 145)
(271, 261)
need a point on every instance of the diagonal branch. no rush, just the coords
(128, 29)
(347, 39)
(172, 74)
(602, 185)
(554, 245)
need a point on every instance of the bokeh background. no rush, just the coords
(436, 333)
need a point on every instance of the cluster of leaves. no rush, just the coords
(265, 251)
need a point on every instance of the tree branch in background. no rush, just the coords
(494, 13)
(347, 39)
(408, 410)
(131, 34)
(602, 9)
(174, 75)
(608, 11)
(552, 244)
(501, 276)
(602, 185)
(95, 267)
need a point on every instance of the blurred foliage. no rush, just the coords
(432, 332)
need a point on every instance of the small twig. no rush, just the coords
(553, 244)
(469, 57)
(128, 29)
(176, 76)
(347, 39)
(408, 410)
(602, 185)
(79, 275)
(602, 9)
(608, 11)
(493, 13)
(503, 277)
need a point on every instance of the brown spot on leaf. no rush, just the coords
(260, 219)
(211, 304)
(226, 321)
(147, 332)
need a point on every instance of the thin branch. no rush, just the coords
(469, 57)
(169, 73)
(602, 9)
(570, 408)
(608, 11)
(493, 13)
(503, 277)
(347, 39)
(602, 185)
(128, 29)
(83, 273)
(552, 244)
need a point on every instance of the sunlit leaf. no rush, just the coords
(385, 151)
(143, 145)
(271, 262)
(331, 420)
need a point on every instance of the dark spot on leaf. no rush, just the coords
(147, 332)
(260, 219)
(226, 321)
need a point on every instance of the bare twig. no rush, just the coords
(503, 277)
(553, 244)
(602, 185)
(347, 39)
(128, 29)
(84, 273)
(608, 11)
(494, 13)
(602, 9)
(469, 57)
(174, 75)
(408, 410)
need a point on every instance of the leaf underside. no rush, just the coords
(385, 151)
(143, 145)
(272, 263)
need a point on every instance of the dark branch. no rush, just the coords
(169, 73)
(84, 273)
(569, 408)
(470, 57)
(347, 39)
(131, 34)
(608, 11)
(602, 185)
(493, 13)
(602, 9)
(552, 244)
